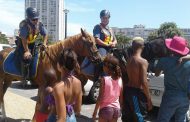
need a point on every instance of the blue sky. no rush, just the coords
(124, 13)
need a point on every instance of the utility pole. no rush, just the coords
(66, 11)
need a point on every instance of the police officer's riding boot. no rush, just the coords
(25, 73)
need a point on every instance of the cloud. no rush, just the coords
(74, 28)
(12, 12)
(78, 8)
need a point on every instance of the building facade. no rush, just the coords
(51, 15)
(140, 30)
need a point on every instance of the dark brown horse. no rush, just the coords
(83, 44)
(154, 49)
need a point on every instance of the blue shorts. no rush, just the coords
(53, 118)
(173, 103)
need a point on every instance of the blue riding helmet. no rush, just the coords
(32, 13)
(104, 13)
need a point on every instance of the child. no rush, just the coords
(110, 92)
(45, 103)
(66, 98)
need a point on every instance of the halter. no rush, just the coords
(93, 52)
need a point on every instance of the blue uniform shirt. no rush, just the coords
(24, 31)
(176, 77)
(98, 33)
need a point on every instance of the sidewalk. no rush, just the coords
(18, 108)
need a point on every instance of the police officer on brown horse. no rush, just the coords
(29, 30)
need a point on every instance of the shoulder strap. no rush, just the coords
(25, 23)
(108, 29)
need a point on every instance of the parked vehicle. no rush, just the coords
(4, 46)
(156, 86)
(91, 91)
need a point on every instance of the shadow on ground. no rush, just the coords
(19, 85)
(15, 120)
(83, 118)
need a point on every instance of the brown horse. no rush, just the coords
(83, 44)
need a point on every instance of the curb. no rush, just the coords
(18, 107)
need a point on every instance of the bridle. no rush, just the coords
(94, 55)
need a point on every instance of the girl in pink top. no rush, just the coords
(110, 92)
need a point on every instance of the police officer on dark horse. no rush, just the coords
(29, 29)
(105, 41)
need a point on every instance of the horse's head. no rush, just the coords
(89, 47)
(155, 49)
(159, 48)
(120, 54)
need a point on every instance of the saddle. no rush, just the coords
(14, 63)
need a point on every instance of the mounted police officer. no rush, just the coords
(29, 29)
(103, 34)
(104, 37)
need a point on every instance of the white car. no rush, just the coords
(4, 46)
(91, 91)
(156, 86)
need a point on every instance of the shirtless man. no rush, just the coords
(137, 99)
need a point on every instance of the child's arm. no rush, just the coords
(99, 99)
(184, 58)
(121, 96)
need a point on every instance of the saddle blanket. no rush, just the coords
(12, 65)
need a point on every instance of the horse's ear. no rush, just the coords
(83, 32)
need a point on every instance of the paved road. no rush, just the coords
(87, 108)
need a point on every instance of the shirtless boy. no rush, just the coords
(136, 93)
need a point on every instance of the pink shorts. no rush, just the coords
(109, 113)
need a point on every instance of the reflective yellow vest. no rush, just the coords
(33, 34)
(108, 36)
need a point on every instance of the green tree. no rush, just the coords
(122, 40)
(152, 36)
(169, 30)
(3, 39)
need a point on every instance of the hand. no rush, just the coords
(113, 44)
(180, 60)
(27, 55)
(149, 105)
(94, 115)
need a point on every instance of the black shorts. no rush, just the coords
(134, 105)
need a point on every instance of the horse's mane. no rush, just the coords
(54, 49)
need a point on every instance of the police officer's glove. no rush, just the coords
(43, 47)
(27, 55)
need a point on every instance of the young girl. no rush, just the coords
(110, 95)
(67, 93)
(44, 102)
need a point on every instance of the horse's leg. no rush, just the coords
(2, 109)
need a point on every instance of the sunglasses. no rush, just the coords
(34, 19)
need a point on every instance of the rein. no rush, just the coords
(42, 54)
